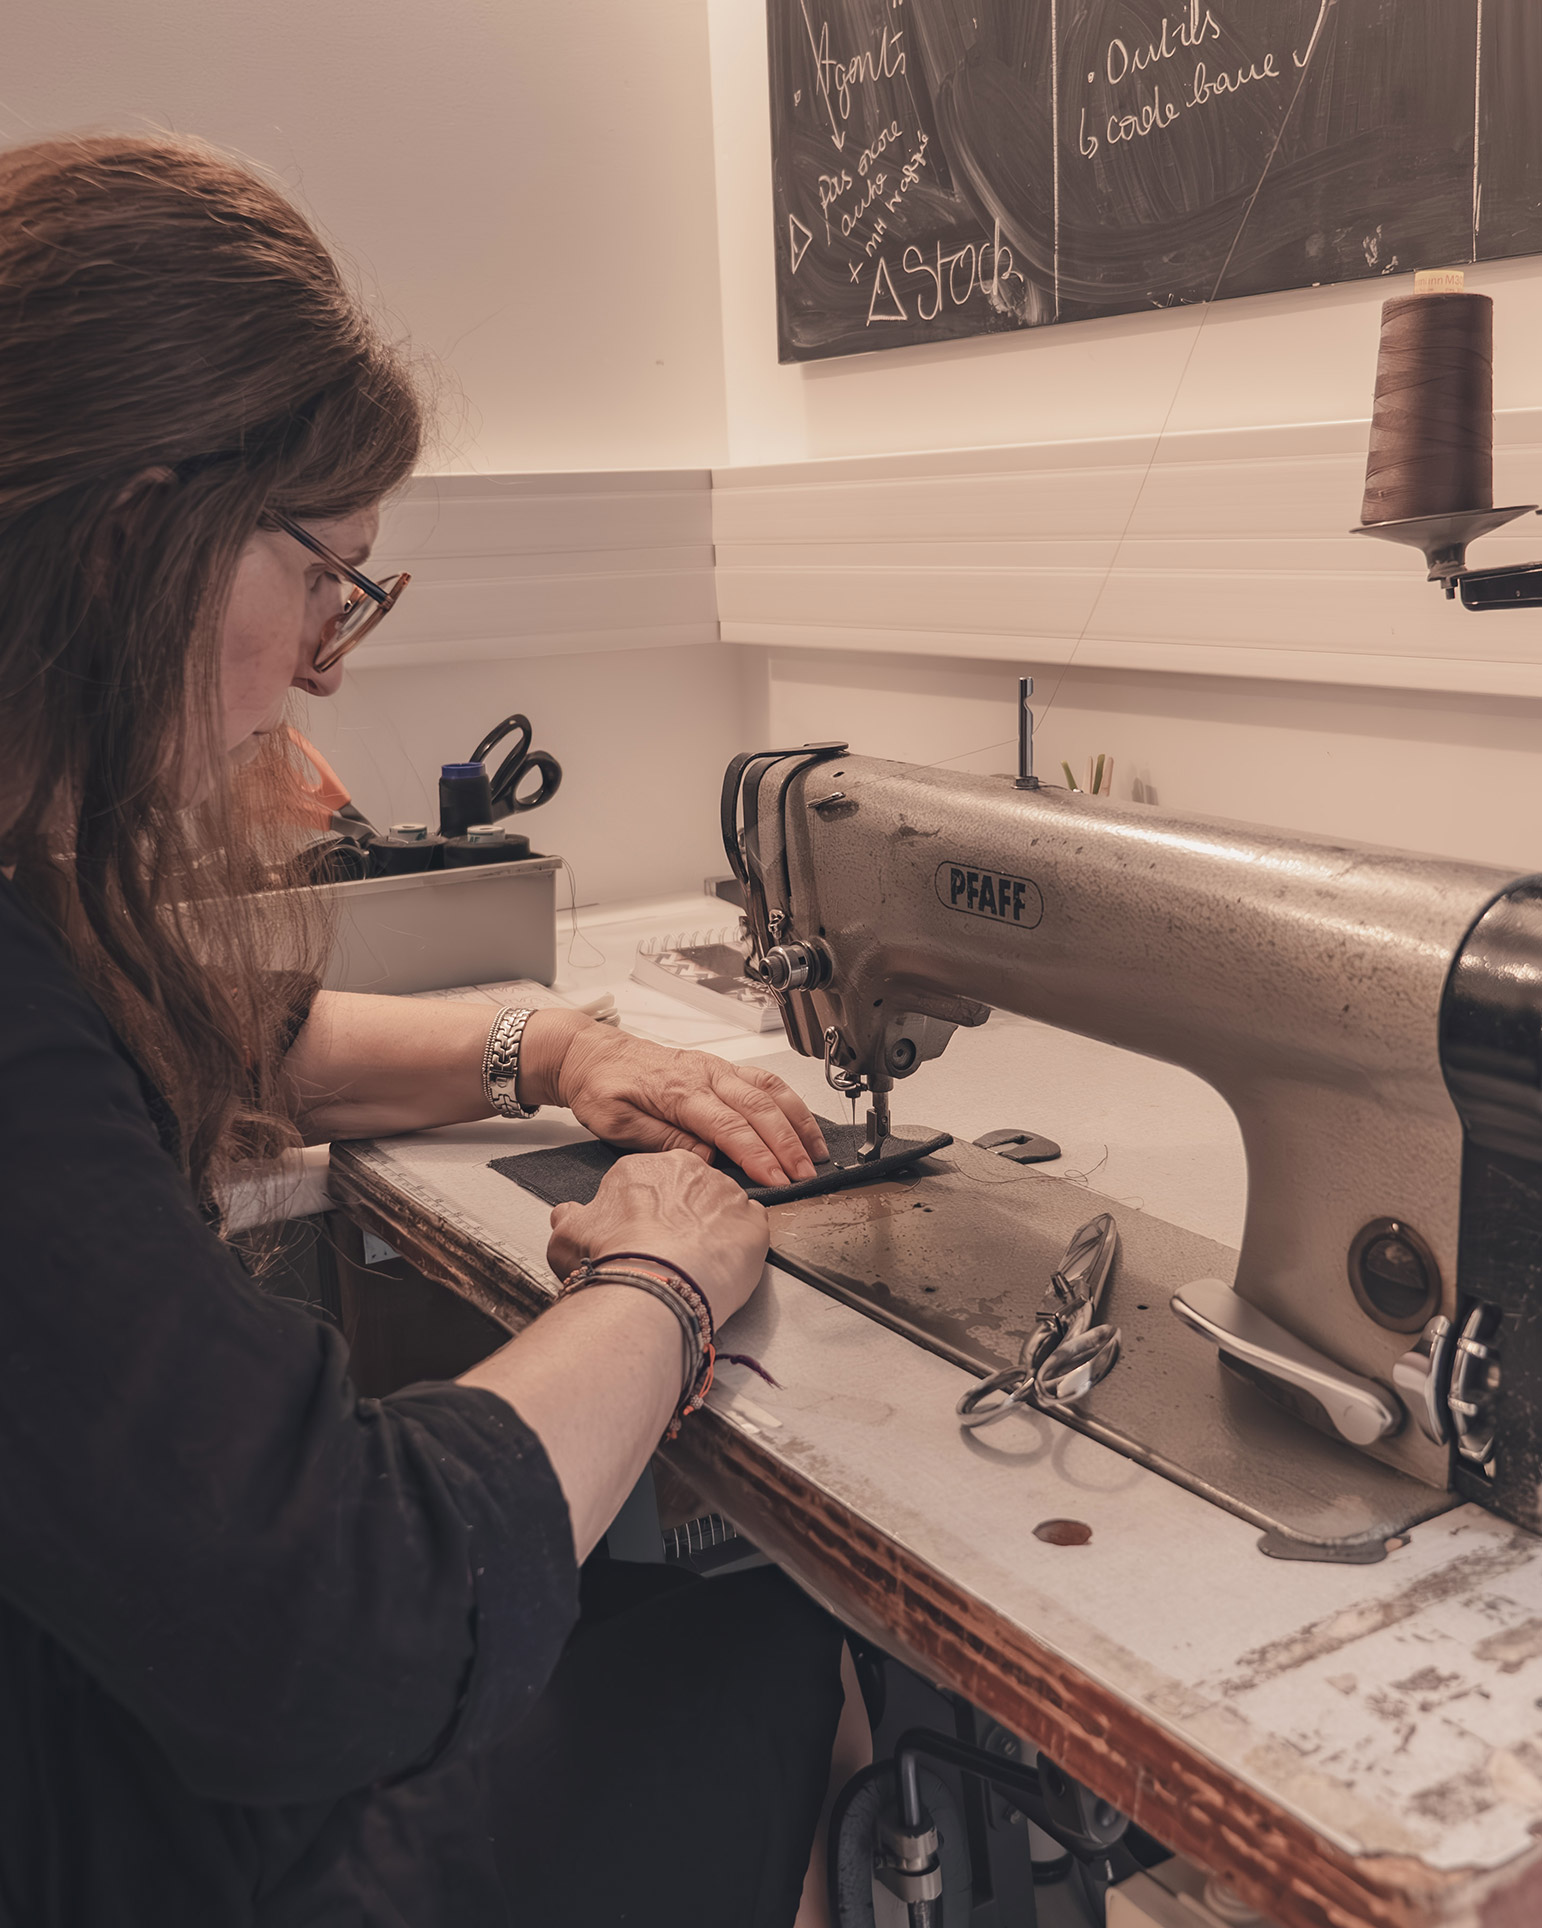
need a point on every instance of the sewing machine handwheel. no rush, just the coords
(1016, 1382)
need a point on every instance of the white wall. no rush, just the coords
(1453, 773)
(527, 186)
(1304, 356)
(570, 207)
(1400, 768)
(642, 737)
(526, 190)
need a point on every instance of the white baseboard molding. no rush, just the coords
(1209, 552)
(1222, 553)
(512, 566)
(498, 649)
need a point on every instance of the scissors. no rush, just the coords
(1066, 1354)
(520, 760)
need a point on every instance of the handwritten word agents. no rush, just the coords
(836, 77)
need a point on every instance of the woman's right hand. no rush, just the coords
(674, 1207)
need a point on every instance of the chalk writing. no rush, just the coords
(1203, 89)
(853, 215)
(909, 174)
(832, 72)
(831, 188)
(1122, 59)
(871, 152)
(883, 291)
(955, 277)
(1151, 118)
(1060, 159)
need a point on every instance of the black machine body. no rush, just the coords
(1491, 1050)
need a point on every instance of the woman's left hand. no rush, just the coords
(629, 1092)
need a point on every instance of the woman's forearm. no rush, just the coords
(366, 1067)
(596, 1379)
(363, 1066)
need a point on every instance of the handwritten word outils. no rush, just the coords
(1171, 94)
(1188, 30)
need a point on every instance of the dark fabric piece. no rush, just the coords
(255, 1633)
(571, 1174)
(673, 1773)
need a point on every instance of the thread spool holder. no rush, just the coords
(1444, 539)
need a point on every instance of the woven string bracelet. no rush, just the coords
(688, 1306)
(728, 1358)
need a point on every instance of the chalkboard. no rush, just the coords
(945, 168)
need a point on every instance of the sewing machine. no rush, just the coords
(1373, 1018)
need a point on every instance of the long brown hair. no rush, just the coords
(162, 309)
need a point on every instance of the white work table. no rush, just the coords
(1340, 1744)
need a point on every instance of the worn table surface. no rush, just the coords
(1341, 1744)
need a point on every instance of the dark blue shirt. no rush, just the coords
(255, 1631)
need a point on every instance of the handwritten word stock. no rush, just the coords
(1193, 29)
(984, 268)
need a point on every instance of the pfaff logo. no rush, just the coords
(987, 893)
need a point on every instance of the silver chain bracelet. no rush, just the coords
(500, 1064)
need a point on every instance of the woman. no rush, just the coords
(269, 1653)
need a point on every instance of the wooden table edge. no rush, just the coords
(1173, 1789)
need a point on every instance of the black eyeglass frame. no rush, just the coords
(382, 595)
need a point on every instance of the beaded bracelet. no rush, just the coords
(678, 1272)
(679, 1277)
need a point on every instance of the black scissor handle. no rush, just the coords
(498, 732)
(504, 784)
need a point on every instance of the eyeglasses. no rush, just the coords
(365, 605)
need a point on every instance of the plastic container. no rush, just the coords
(442, 928)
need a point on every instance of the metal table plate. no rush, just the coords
(957, 1255)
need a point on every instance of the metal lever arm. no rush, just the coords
(1518, 587)
(1356, 1409)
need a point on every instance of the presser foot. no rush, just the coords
(877, 1128)
(851, 1084)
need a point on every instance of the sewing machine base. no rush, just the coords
(957, 1256)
